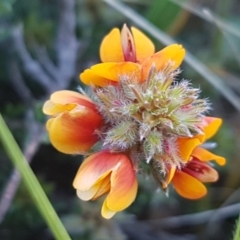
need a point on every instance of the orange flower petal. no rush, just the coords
(111, 47)
(144, 46)
(188, 186)
(204, 155)
(186, 146)
(123, 186)
(65, 100)
(213, 125)
(173, 53)
(170, 175)
(73, 132)
(201, 171)
(102, 74)
(88, 77)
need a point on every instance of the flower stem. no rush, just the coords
(237, 231)
(32, 184)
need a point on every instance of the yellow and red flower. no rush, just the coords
(111, 173)
(139, 113)
(103, 74)
(188, 181)
(73, 123)
(132, 46)
(130, 55)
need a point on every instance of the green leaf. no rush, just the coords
(163, 13)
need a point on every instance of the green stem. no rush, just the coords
(237, 231)
(32, 184)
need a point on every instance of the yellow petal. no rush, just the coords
(65, 100)
(204, 155)
(188, 186)
(173, 54)
(101, 187)
(144, 46)
(106, 212)
(73, 132)
(104, 187)
(48, 123)
(104, 73)
(186, 146)
(51, 108)
(66, 96)
(87, 195)
(90, 78)
(212, 127)
(111, 47)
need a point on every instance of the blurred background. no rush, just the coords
(44, 45)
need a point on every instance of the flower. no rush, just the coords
(104, 74)
(73, 123)
(131, 46)
(188, 181)
(139, 114)
(111, 173)
(131, 55)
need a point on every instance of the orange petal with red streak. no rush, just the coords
(123, 186)
(188, 186)
(143, 45)
(94, 169)
(97, 170)
(73, 132)
(111, 47)
(204, 155)
(173, 54)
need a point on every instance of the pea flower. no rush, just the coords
(73, 123)
(126, 46)
(138, 115)
(106, 172)
(188, 180)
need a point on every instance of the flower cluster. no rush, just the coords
(138, 114)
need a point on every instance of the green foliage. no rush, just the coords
(163, 13)
(24, 217)
(6, 7)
